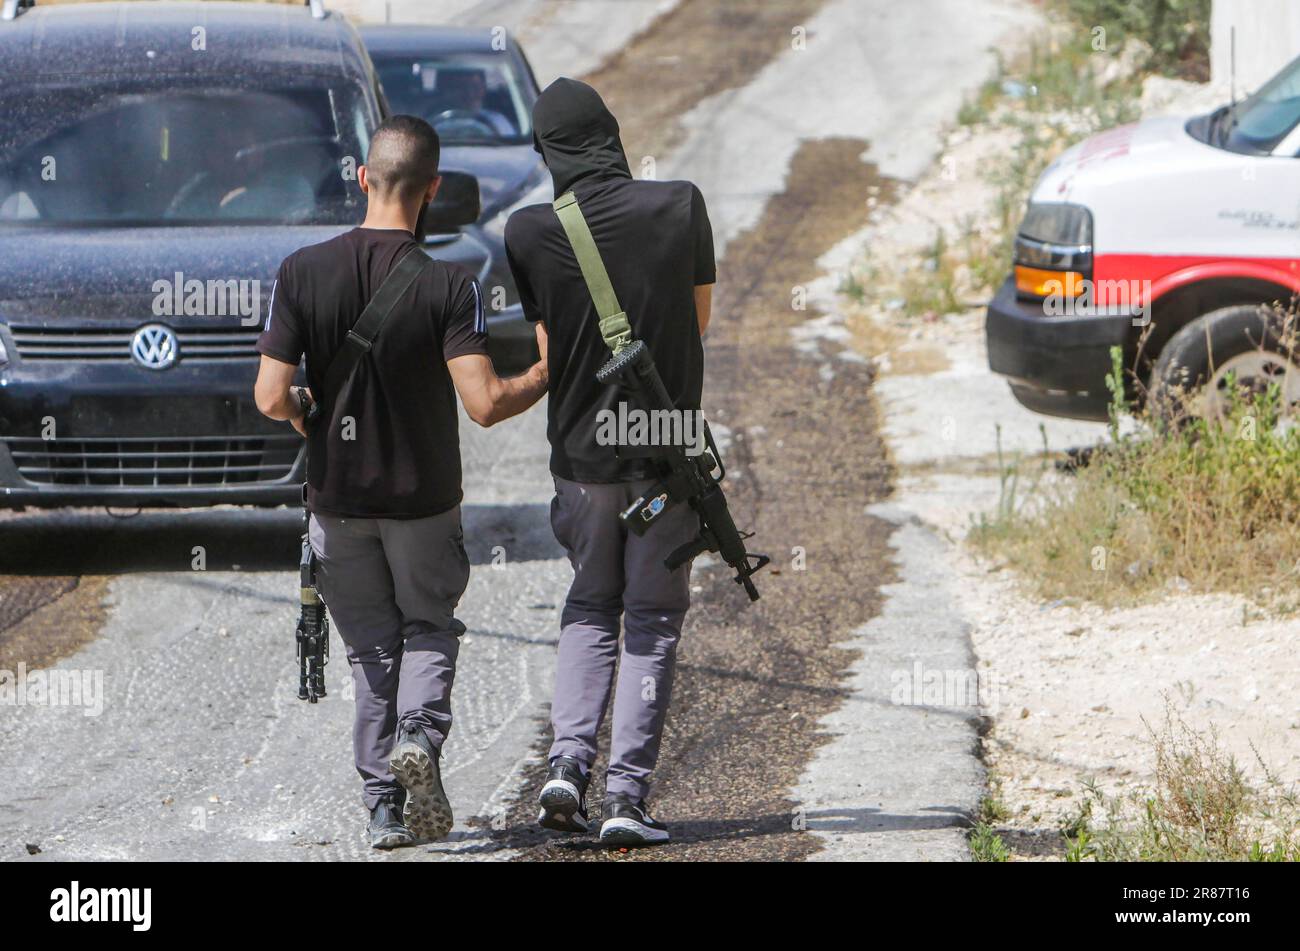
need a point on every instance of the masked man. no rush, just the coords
(657, 245)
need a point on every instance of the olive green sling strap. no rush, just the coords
(614, 326)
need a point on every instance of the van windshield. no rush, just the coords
(1257, 124)
(124, 156)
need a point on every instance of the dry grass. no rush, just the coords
(1202, 506)
(1201, 807)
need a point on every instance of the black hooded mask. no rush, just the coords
(576, 135)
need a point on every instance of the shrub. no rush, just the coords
(1178, 31)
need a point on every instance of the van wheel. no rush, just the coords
(1252, 344)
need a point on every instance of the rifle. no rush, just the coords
(313, 634)
(695, 480)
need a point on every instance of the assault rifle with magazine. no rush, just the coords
(695, 480)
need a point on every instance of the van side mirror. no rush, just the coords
(455, 205)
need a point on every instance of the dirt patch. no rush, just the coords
(895, 346)
(674, 63)
(43, 619)
(48, 608)
(20, 596)
(806, 459)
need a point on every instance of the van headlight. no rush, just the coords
(4, 354)
(1053, 251)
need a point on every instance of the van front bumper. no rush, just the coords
(109, 432)
(1055, 365)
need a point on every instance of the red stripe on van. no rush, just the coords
(1122, 278)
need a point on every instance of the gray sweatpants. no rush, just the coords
(616, 573)
(392, 586)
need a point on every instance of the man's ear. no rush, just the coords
(363, 179)
(433, 189)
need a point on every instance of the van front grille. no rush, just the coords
(145, 461)
(202, 344)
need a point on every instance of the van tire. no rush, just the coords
(1193, 355)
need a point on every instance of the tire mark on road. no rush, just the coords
(674, 63)
(43, 619)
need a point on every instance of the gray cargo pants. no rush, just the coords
(616, 573)
(392, 586)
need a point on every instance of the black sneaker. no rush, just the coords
(626, 823)
(386, 829)
(414, 763)
(564, 797)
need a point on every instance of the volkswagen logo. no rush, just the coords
(154, 346)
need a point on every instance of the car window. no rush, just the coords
(116, 155)
(470, 98)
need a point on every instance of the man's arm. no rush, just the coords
(487, 397)
(706, 270)
(277, 397)
(703, 305)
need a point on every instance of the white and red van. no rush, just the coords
(1188, 225)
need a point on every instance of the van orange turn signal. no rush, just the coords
(1042, 283)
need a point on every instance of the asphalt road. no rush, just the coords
(202, 750)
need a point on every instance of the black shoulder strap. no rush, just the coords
(363, 333)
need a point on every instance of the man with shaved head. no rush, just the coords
(383, 475)
(402, 163)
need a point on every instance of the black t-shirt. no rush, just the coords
(657, 245)
(392, 447)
